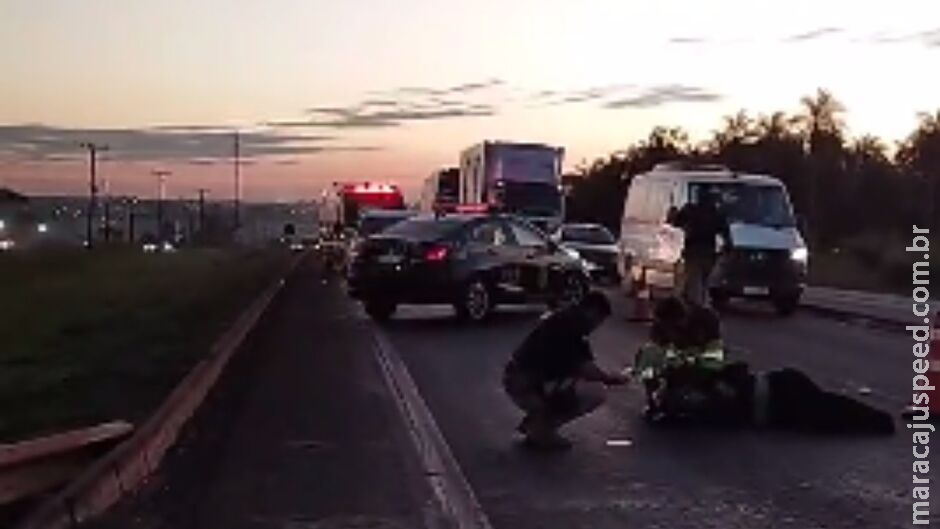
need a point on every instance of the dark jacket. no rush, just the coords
(556, 349)
(701, 223)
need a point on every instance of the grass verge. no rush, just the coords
(89, 337)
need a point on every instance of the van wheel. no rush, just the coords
(786, 305)
(475, 302)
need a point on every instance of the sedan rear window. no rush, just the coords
(425, 228)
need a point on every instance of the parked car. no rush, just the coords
(767, 258)
(471, 261)
(596, 245)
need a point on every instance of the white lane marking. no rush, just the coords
(455, 498)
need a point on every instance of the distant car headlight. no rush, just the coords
(6, 244)
(800, 255)
(149, 247)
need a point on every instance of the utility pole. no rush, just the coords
(130, 219)
(161, 175)
(202, 211)
(237, 194)
(93, 150)
(107, 211)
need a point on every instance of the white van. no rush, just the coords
(768, 258)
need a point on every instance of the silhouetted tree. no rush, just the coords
(845, 187)
(920, 155)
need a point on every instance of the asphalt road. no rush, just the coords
(669, 479)
(301, 433)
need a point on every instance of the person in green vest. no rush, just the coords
(660, 350)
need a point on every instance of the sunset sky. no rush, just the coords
(390, 90)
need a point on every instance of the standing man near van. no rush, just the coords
(702, 222)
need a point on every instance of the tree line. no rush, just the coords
(845, 187)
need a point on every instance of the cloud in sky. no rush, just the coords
(463, 88)
(814, 34)
(625, 95)
(197, 145)
(582, 95)
(665, 94)
(928, 37)
(396, 107)
(687, 40)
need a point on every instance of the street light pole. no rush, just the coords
(130, 219)
(107, 211)
(93, 150)
(161, 175)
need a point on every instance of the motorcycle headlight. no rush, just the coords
(800, 254)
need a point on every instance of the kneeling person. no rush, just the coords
(553, 377)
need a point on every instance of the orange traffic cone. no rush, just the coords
(642, 299)
(933, 375)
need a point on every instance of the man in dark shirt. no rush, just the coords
(553, 377)
(701, 222)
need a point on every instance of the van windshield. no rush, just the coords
(763, 205)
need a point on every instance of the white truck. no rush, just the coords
(518, 178)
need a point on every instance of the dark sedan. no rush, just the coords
(473, 262)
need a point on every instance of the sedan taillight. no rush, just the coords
(436, 254)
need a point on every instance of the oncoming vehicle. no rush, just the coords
(471, 261)
(768, 256)
(595, 244)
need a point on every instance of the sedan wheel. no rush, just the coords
(476, 303)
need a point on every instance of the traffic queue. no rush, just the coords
(492, 232)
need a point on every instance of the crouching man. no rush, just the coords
(553, 377)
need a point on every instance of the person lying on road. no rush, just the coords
(552, 375)
(691, 379)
